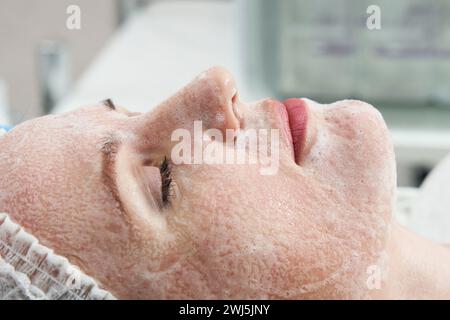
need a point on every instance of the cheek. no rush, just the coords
(228, 226)
(283, 241)
(254, 258)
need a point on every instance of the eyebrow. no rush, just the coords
(109, 145)
(109, 103)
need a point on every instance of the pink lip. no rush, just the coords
(298, 119)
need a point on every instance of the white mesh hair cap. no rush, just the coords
(31, 271)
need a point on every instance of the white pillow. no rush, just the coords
(430, 214)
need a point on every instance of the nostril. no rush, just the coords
(218, 89)
(234, 98)
(236, 108)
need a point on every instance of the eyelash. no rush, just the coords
(166, 182)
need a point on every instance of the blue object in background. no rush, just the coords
(5, 127)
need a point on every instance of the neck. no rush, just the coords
(417, 268)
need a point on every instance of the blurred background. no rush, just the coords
(138, 52)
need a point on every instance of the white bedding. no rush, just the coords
(427, 210)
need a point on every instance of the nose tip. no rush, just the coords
(222, 78)
(219, 87)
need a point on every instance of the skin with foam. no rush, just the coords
(86, 184)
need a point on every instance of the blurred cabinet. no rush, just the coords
(324, 50)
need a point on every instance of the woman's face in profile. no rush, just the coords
(99, 186)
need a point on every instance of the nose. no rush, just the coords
(215, 99)
(212, 98)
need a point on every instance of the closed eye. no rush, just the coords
(159, 184)
(166, 182)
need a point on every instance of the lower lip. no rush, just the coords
(298, 119)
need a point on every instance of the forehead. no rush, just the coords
(60, 142)
(53, 162)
